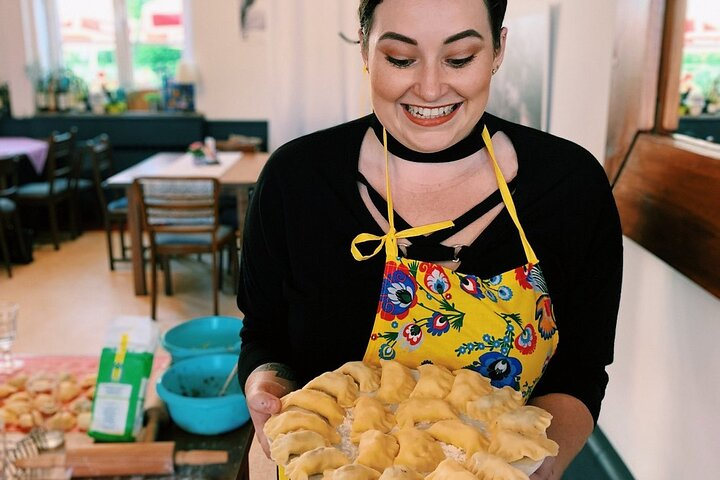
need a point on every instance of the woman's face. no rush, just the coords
(430, 64)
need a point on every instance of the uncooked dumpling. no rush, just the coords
(396, 383)
(366, 376)
(377, 450)
(417, 410)
(294, 420)
(528, 420)
(449, 469)
(492, 405)
(487, 466)
(512, 446)
(370, 414)
(468, 385)
(459, 434)
(315, 401)
(418, 450)
(339, 385)
(400, 472)
(295, 443)
(435, 382)
(315, 461)
(352, 472)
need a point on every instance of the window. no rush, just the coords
(131, 44)
(700, 71)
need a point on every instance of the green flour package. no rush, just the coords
(125, 367)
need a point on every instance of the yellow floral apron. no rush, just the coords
(502, 327)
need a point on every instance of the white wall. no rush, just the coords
(12, 58)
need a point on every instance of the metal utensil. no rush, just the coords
(229, 379)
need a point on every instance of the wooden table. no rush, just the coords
(240, 176)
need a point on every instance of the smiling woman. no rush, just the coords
(499, 240)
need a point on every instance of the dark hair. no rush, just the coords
(496, 12)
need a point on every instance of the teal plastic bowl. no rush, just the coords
(190, 387)
(203, 336)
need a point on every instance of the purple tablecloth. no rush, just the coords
(35, 150)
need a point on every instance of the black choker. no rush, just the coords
(462, 149)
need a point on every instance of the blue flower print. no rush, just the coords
(398, 294)
(495, 280)
(500, 369)
(438, 324)
(471, 285)
(505, 293)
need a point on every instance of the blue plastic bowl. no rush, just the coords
(203, 336)
(190, 387)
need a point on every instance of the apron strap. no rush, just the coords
(389, 240)
(507, 198)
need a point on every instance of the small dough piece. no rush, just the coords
(19, 380)
(377, 450)
(61, 421)
(528, 420)
(513, 446)
(417, 410)
(370, 414)
(487, 466)
(400, 472)
(492, 405)
(366, 376)
(469, 385)
(352, 472)
(315, 461)
(418, 450)
(459, 434)
(435, 382)
(294, 420)
(339, 385)
(19, 407)
(449, 469)
(396, 383)
(46, 403)
(19, 397)
(295, 443)
(315, 401)
(67, 390)
(7, 389)
(83, 421)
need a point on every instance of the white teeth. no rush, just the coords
(422, 112)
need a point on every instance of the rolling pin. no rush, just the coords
(110, 459)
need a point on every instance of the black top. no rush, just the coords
(309, 304)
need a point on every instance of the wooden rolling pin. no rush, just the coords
(110, 459)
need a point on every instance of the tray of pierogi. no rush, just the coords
(395, 423)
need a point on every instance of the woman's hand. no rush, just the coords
(545, 471)
(263, 390)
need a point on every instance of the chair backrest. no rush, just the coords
(99, 151)
(61, 160)
(8, 176)
(178, 205)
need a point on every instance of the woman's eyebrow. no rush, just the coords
(397, 36)
(464, 34)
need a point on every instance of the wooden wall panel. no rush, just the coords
(634, 78)
(668, 195)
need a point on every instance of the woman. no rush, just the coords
(520, 199)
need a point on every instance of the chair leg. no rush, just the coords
(73, 215)
(4, 248)
(153, 283)
(52, 213)
(215, 281)
(123, 247)
(108, 235)
(21, 241)
(165, 260)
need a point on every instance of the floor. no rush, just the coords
(68, 297)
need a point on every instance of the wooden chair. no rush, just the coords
(180, 216)
(113, 206)
(59, 186)
(9, 218)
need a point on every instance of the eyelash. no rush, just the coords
(452, 62)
